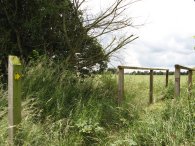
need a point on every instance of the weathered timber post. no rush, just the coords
(120, 84)
(14, 96)
(189, 81)
(177, 80)
(167, 78)
(151, 99)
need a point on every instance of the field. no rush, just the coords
(60, 108)
(137, 86)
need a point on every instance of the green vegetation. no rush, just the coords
(33, 28)
(61, 108)
(62, 30)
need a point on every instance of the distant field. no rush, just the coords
(137, 86)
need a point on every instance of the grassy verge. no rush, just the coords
(61, 108)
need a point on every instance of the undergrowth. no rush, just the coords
(62, 108)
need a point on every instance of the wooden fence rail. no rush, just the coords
(121, 81)
(177, 78)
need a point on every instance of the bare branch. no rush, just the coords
(121, 44)
(112, 21)
(78, 3)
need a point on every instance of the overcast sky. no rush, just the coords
(165, 39)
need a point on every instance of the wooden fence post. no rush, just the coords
(189, 81)
(151, 100)
(120, 84)
(167, 78)
(177, 80)
(14, 96)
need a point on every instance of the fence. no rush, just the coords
(121, 81)
(177, 78)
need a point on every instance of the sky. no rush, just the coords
(165, 39)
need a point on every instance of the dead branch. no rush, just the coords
(111, 20)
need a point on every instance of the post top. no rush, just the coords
(14, 60)
(184, 67)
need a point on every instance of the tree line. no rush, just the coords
(114, 71)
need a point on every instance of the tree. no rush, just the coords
(112, 70)
(58, 28)
(109, 21)
(112, 20)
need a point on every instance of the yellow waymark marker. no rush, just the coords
(17, 76)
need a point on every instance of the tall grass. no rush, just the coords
(3, 114)
(62, 108)
(171, 125)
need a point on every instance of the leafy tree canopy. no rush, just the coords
(58, 29)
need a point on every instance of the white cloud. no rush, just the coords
(165, 39)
